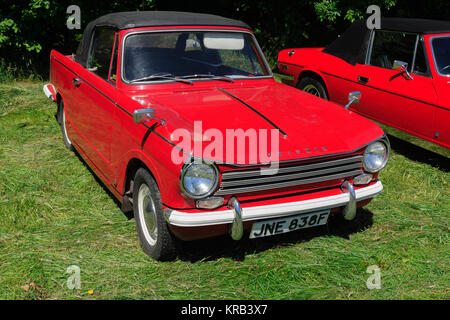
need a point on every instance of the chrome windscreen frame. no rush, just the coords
(212, 29)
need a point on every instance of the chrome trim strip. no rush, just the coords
(295, 168)
(217, 217)
(252, 180)
(246, 189)
(297, 176)
(413, 64)
(369, 47)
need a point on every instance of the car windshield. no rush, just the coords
(191, 55)
(441, 51)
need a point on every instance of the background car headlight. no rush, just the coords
(376, 156)
(198, 180)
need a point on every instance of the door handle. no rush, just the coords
(76, 82)
(363, 79)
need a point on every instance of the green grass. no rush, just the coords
(54, 214)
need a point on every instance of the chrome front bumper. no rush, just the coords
(236, 215)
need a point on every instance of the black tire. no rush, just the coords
(154, 234)
(62, 123)
(314, 87)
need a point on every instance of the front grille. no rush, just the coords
(243, 181)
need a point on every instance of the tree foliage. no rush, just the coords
(29, 29)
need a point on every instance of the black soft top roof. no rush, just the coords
(137, 19)
(350, 45)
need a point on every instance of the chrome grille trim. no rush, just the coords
(244, 181)
(278, 177)
(291, 168)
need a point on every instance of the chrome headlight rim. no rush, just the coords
(184, 170)
(386, 144)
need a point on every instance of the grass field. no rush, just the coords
(55, 214)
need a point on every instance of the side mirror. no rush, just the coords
(403, 66)
(353, 97)
(145, 115)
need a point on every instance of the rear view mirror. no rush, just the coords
(224, 41)
(403, 66)
(399, 65)
(192, 43)
(353, 97)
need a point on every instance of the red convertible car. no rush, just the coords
(402, 71)
(180, 117)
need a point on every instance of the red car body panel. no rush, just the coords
(306, 128)
(101, 127)
(420, 107)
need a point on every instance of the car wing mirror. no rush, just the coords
(402, 66)
(353, 97)
(145, 115)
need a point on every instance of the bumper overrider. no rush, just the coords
(236, 215)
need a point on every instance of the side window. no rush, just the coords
(113, 69)
(421, 64)
(100, 52)
(389, 46)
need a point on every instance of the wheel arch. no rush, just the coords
(312, 74)
(133, 165)
(59, 99)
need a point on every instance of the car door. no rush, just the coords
(439, 53)
(389, 95)
(93, 99)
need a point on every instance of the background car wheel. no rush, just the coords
(314, 87)
(62, 122)
(154, 235)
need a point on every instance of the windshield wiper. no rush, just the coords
(167, 76)
(197, 76)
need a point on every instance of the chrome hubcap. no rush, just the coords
(147, 214)
(311, 89)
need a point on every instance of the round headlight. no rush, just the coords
(198, 180)
(375, 156)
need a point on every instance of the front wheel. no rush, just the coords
(154, 235)
(314, 87)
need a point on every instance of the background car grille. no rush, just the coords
(242, 181)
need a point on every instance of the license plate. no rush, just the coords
(287, 224)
